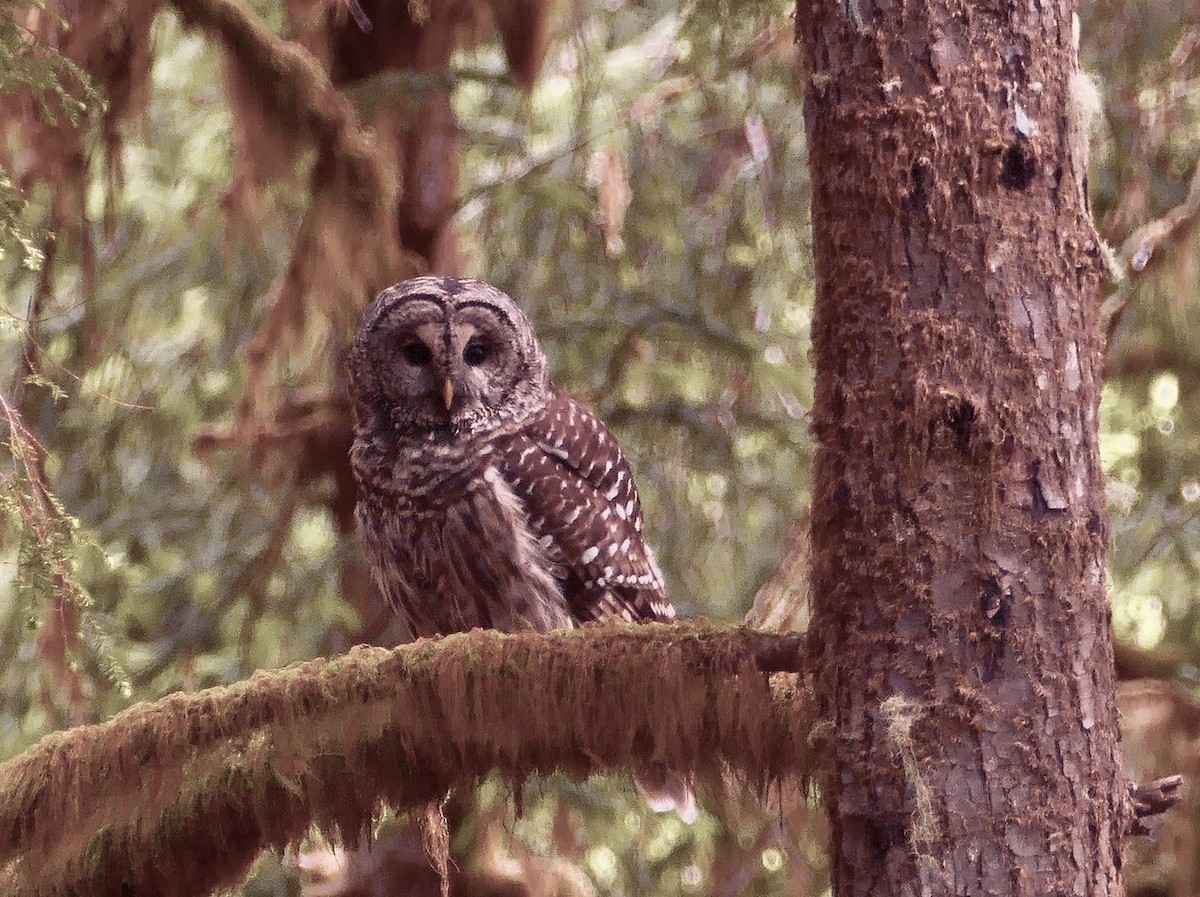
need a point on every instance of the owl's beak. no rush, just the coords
(448, 392)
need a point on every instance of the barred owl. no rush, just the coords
(489, 497)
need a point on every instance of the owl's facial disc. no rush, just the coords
(454, 373)
(438, 354)
(483, 363)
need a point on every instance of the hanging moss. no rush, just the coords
(177, 797)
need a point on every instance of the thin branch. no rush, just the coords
(347, 246)
(668, 94)
(1152, 799)
(1140, 247)
(293, 83)
(703, 421)
(1133, 662)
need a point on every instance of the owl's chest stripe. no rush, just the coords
(464, 558)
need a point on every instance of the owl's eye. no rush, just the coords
(416, 353)
(476, 352)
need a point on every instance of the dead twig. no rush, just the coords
(1139, 248)
(1152, 799)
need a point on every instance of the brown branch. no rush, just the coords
(179, 796)
(1184, 715)
(347, 247)
(292, 82)
(1140, 247)
(1153, 799)
(59, 641)
(1133, 662)
(305, 416)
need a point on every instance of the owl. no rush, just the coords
(488, 496)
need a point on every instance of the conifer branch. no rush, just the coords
(177, 797)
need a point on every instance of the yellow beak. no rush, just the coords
(448, 392)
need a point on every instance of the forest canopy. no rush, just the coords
(188, 239)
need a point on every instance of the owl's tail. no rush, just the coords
(665, 790)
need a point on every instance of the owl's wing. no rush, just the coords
(579, 493)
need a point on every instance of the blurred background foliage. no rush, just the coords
(647, 202)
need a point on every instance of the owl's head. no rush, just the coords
(441, 353)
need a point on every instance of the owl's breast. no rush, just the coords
(454, 552)
(418, 470)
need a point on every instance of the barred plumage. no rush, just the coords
(489, 496)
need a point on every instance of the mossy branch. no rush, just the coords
(348, 245)
(292, 83)
(177, 797)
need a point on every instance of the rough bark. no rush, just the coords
(959, 524)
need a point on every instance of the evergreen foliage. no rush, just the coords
(50, 85)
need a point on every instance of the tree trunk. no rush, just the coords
(959, 524)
